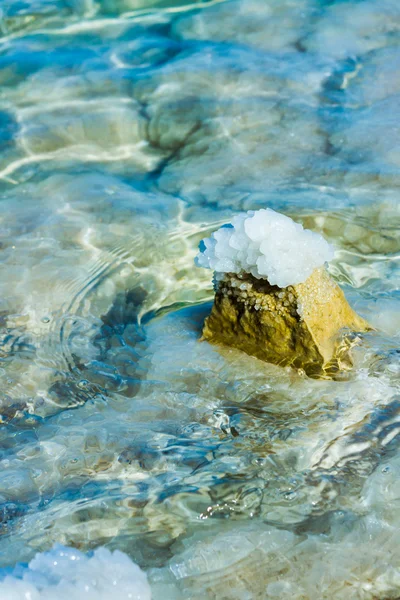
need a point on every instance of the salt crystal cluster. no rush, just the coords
(266, 244)
(68, 574)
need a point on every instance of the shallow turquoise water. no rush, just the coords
(129, 130)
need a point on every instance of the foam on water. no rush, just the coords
(67, 574)
(266, 244)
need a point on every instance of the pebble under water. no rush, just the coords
(129, 131)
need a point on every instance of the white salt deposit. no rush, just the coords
(266, 244)
(67, 574)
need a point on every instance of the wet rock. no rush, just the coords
(299, 325)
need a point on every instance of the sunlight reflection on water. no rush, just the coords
(129, 130)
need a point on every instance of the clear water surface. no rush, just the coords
(129, 129)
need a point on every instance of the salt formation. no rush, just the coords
(274, 299)
(267, 245)
(67, 574)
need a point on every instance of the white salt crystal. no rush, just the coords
(68, 574)
(266, 244)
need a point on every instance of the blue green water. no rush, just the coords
(129, 130)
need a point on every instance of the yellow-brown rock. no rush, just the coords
(301, 325)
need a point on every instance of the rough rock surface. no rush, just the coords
(301, 325)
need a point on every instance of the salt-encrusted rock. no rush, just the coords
(300, 324)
